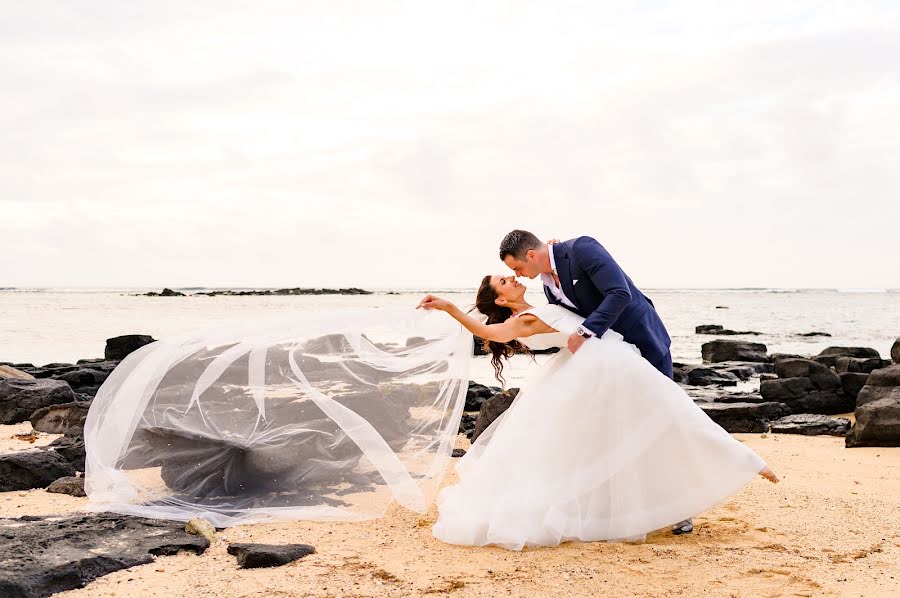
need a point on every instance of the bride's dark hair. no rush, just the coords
(485, 303)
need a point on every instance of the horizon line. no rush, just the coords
(411, 287)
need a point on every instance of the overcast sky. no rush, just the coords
(390, 143)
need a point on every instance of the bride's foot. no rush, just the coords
(769, 474)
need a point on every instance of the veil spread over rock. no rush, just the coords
(305, 415)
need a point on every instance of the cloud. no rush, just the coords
(752, 144)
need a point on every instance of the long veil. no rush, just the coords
(306, 415)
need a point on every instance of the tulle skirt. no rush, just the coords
(597, 446)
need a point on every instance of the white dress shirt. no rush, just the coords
(551, 284)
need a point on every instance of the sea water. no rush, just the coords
(41, 326)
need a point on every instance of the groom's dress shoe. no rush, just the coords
(683, 527)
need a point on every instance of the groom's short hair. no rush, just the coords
(517, 242)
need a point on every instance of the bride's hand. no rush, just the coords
(434, 302)
(552, 241)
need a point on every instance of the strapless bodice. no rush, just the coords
(564, 321)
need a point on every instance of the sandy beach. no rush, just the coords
(830, 528)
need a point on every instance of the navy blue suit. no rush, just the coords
(607, 298)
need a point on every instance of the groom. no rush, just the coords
(582, 276)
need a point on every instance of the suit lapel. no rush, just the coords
(564, 272)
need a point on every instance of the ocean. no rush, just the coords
(41, 326)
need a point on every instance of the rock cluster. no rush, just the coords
(801, 392)
(55, 398)
(878, 410)
(796, 393)
(807, 386)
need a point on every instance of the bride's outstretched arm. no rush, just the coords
(501, 333)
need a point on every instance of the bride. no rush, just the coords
(599, 445)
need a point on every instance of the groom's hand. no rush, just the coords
(575, 342)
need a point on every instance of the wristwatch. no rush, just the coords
(583, 332)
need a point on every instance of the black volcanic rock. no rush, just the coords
(721, 394)
(467, 425)
(20, 398)
(701, 376)
(740, 370)
(826, 402)
(65, 418)
(895, 351)
(813, 334)
(860, 365)
(40, 556)
(877, 423)
(708, 328)
(821, 377)
(492, 409)
(785, 389)
(744, 417)
(729, 350)
(85, 377)
(70, 448)
(167, 292)
(830, 355)
(679, 371)
(776, 357)
(25, 470)
(69, 485)
(810, 424)
(722, 331)
(118, 347)
(862, 352)
(800, 394)
(881, 384)
(252, 556)
(57, 371)
(478, 394)
(292, 291)
(744, 370)
(852, 383)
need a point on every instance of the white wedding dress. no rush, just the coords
(598, 445)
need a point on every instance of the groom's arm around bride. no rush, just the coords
(612, 300)
(607, 277)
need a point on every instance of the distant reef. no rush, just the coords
(228, 292)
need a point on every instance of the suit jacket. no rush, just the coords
(607, 298)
